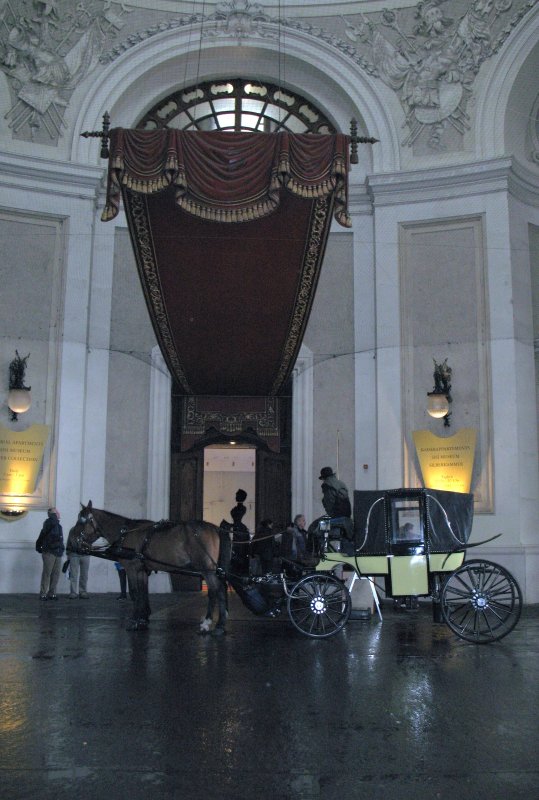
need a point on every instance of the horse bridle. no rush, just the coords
(84, 520)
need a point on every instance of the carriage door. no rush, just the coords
(408, 561)
(273, 493)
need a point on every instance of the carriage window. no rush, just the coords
(406, 522)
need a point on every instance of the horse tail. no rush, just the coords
(225, 550)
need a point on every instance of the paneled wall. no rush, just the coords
(444, 316)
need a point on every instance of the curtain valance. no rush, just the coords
(228, 177)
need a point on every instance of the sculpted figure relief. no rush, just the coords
(427, 57)
(433, 65)
(46, 48)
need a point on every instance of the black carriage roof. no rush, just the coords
(446, 518)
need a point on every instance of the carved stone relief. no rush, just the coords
(534, 132)
(46, 49)
(429, 53)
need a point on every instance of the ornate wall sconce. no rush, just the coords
(19, 398)
(440, 397)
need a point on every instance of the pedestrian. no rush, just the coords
(50, 544)
(79, 566)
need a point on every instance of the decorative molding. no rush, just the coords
(533, 128)
(265, 421)
(431, 60)
(53, 177)
(139, 226)
(47, 50)
(427, 58)
(461, 180)
(312, 263)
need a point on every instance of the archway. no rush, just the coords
(272, 473)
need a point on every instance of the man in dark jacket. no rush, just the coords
(51, 547)
(336, 501)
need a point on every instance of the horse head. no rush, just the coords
(88, 527)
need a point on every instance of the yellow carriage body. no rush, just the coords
(409, 575)
(405, 536)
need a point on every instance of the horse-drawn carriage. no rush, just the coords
(413, 540)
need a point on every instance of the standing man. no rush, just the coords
(51, 546)
(336, 501)
(79, 566)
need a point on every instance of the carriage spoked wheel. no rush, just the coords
(319, 605)
(481, 602)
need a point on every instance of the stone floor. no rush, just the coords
(392, 710)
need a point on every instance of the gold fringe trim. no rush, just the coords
(247, 214)
(280, 178)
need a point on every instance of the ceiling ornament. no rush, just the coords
(426, 56)
(431, 59)
(46, 50)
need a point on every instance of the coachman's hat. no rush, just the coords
(325, 472)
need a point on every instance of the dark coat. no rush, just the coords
(335, 497)
(52, 536)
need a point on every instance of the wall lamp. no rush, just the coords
(440, 397)
(19, 398)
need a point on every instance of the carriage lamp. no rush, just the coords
(19, 398)
(438, 400)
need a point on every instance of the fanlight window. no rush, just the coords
(236, 105)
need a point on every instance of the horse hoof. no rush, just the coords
(218, 632)
(205, 626)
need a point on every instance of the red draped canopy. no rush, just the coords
(229, 302)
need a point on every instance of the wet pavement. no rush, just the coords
(399, 710)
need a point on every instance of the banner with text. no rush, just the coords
(446, 462)
(21, 455)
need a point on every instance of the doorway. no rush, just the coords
(227, 469)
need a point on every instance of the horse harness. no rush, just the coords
(117, 550)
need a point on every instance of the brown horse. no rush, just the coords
(143, 546)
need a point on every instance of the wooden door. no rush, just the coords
(186, 487)
(273, 490)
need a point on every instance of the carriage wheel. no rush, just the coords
(481, 602)
(319, 605)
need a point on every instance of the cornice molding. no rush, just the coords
(46, 175)
(463, 180)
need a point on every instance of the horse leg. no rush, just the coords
(217, 592)
(138, 577)
(207, 621)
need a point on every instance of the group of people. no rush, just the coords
(50, 544)
(293, 543)
(266, 544)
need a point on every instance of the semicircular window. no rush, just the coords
(237, 104)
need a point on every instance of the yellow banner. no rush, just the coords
(21, 454)
(446, 462)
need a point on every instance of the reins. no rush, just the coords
(116, 549)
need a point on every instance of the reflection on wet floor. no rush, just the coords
(395, 709)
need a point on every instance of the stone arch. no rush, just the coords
(504, 89)
(153, 68)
